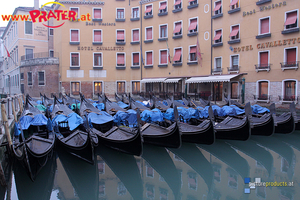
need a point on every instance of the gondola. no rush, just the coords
(127, 140)
(161, 136)
(284, 123)
(33, 140)
(234, 128)
(125, 98)
(111, 107)
(71, 134)
(158, 104)
(135, 105)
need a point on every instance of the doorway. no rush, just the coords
(217, 91)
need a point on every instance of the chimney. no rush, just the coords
(36, 4)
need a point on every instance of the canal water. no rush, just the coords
(193, 172)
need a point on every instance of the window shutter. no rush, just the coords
(264, 23)
(149, 58)
(163, 57)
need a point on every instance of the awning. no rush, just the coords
(177, 2)
(218, 35)
(233, 2)
(218, 6)
(149, 9)
(172, 80)
(234, 31)
(291, 18)
(153, 80)
(193, 25)
(163, 6)
(212, 79)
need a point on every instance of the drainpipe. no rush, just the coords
(211, 30)
(243, 90)
(141, 43)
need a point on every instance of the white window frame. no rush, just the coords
(117, 59)
(147, 58)
(71, 86)
(285, 15)
(174, 25)
(146, 32)
(221, 36)
(117, 34)
(160, 56)
(259, 25)
(147, 166)
(50, 51)
(258, 56)
(73, 29)
(181, 5)
(25, 28)
(78, 17)
(215, 62)
(161, 11)
(221, 9)
(193, 2)
(148, 14)
(174, 50)
(102, 87)
(190, 60)
(257, 87)
(193, 31)
(132, 34)
(283, 89)
(96, 8)
(239, 34)
(44, 78)
(117, 13)
(160, 30)
(285, 54)
(230, 66)
(235, 7)
(124, 85)
(94, 34)
(26, 54)
(100, 61)
(132, 58)
(138, 12)
(50, 31)
(71, 59)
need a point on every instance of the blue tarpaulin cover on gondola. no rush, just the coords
(73, 106)
(184, 114)
(122, 105)
(74, 120)
(17, 131)
(120, 118)
(238, 110)
(39, 102)
(132, 119)
(154, 115)
(37, 120)
(228, 111)
(41, 107)
(203, 112)
(256, 109)
(100, 118)
(141, 103)
(147, 103)
(169, 114)
(217, 110)
(99, 106)
(194, 113)
(180, 101)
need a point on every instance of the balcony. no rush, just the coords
(43, 58)
(217, 70)
(262, 98)
(288, 99)
(233, 69)
(289, 65)
(263, 67)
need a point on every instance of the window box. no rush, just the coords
(148, 66)
(162, 39)
(135, 19)
(177, 64)
(97, 20)
(75, 67)
(234, 10)
(97, 43)
(162, 14)
(133, 43)
(192, 6)
(262, 2)
(148, 41)
(120, 43)
(120, 20)
(262, 67)
(234, 41)
(74, 43)
(218, 44)
(177, 36)
(120, 67)
(135, 67)
(263, 36)
(163, 65)
(192, 34)
(148, 16)
(217, 16)
(177, 10)
(98, 68)
(292, 30)
(192, 63)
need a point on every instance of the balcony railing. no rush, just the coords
(262, 98)
(217, 70)
(290, 65)
(233, 69)
(288, 98)
(39, 55)
(263, 67)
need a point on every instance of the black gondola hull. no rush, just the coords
(265, 128)
(286, 126)
(242, 132)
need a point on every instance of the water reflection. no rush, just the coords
(192, 172)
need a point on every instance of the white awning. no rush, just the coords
(153, 80)
(211, 79)
(172, 80)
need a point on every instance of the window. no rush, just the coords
(232, 180)
(291, 20)
(148, 33)
(74, 35)
(77, 12)
(136, 59)
(51, 31)
(135, 12)
(97, 14)
(163, 31)
(193, 25)
(75, 88)
(150, 191)
(290, 57)
(177, 55)
(192, 87)
(75, 60)
(51, 53)
(120, 59)
(284, 165)
(97, 87)
(234, 35)
(193, 52)
(192, 181)
(120, 36)
(29, 54)
(29, 78)
(263, 88)
(218, 7)
(149, 58)
(162, 7)
(234, 62)
(264, 59)
(120, 87)
(149, 171)
(41, 77)
(135, 35)
(22, 88)
(97, 59)
(148, 10)
(177, 29)
(22, 76)
(135, 87)
(120, 13)
(192, 2)
(289, 90)
(218, 36)
(163, 194)
(28, 27)
(121, 189)
(163, 57)
(177, 4)
(101, 188)
(234, 4)
(217, 173)
(264, 26)
(218, 64)
(234, 90)
(97, 36)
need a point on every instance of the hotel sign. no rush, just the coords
(100, 48)
(263, 8)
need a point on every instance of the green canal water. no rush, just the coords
(192, 172)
